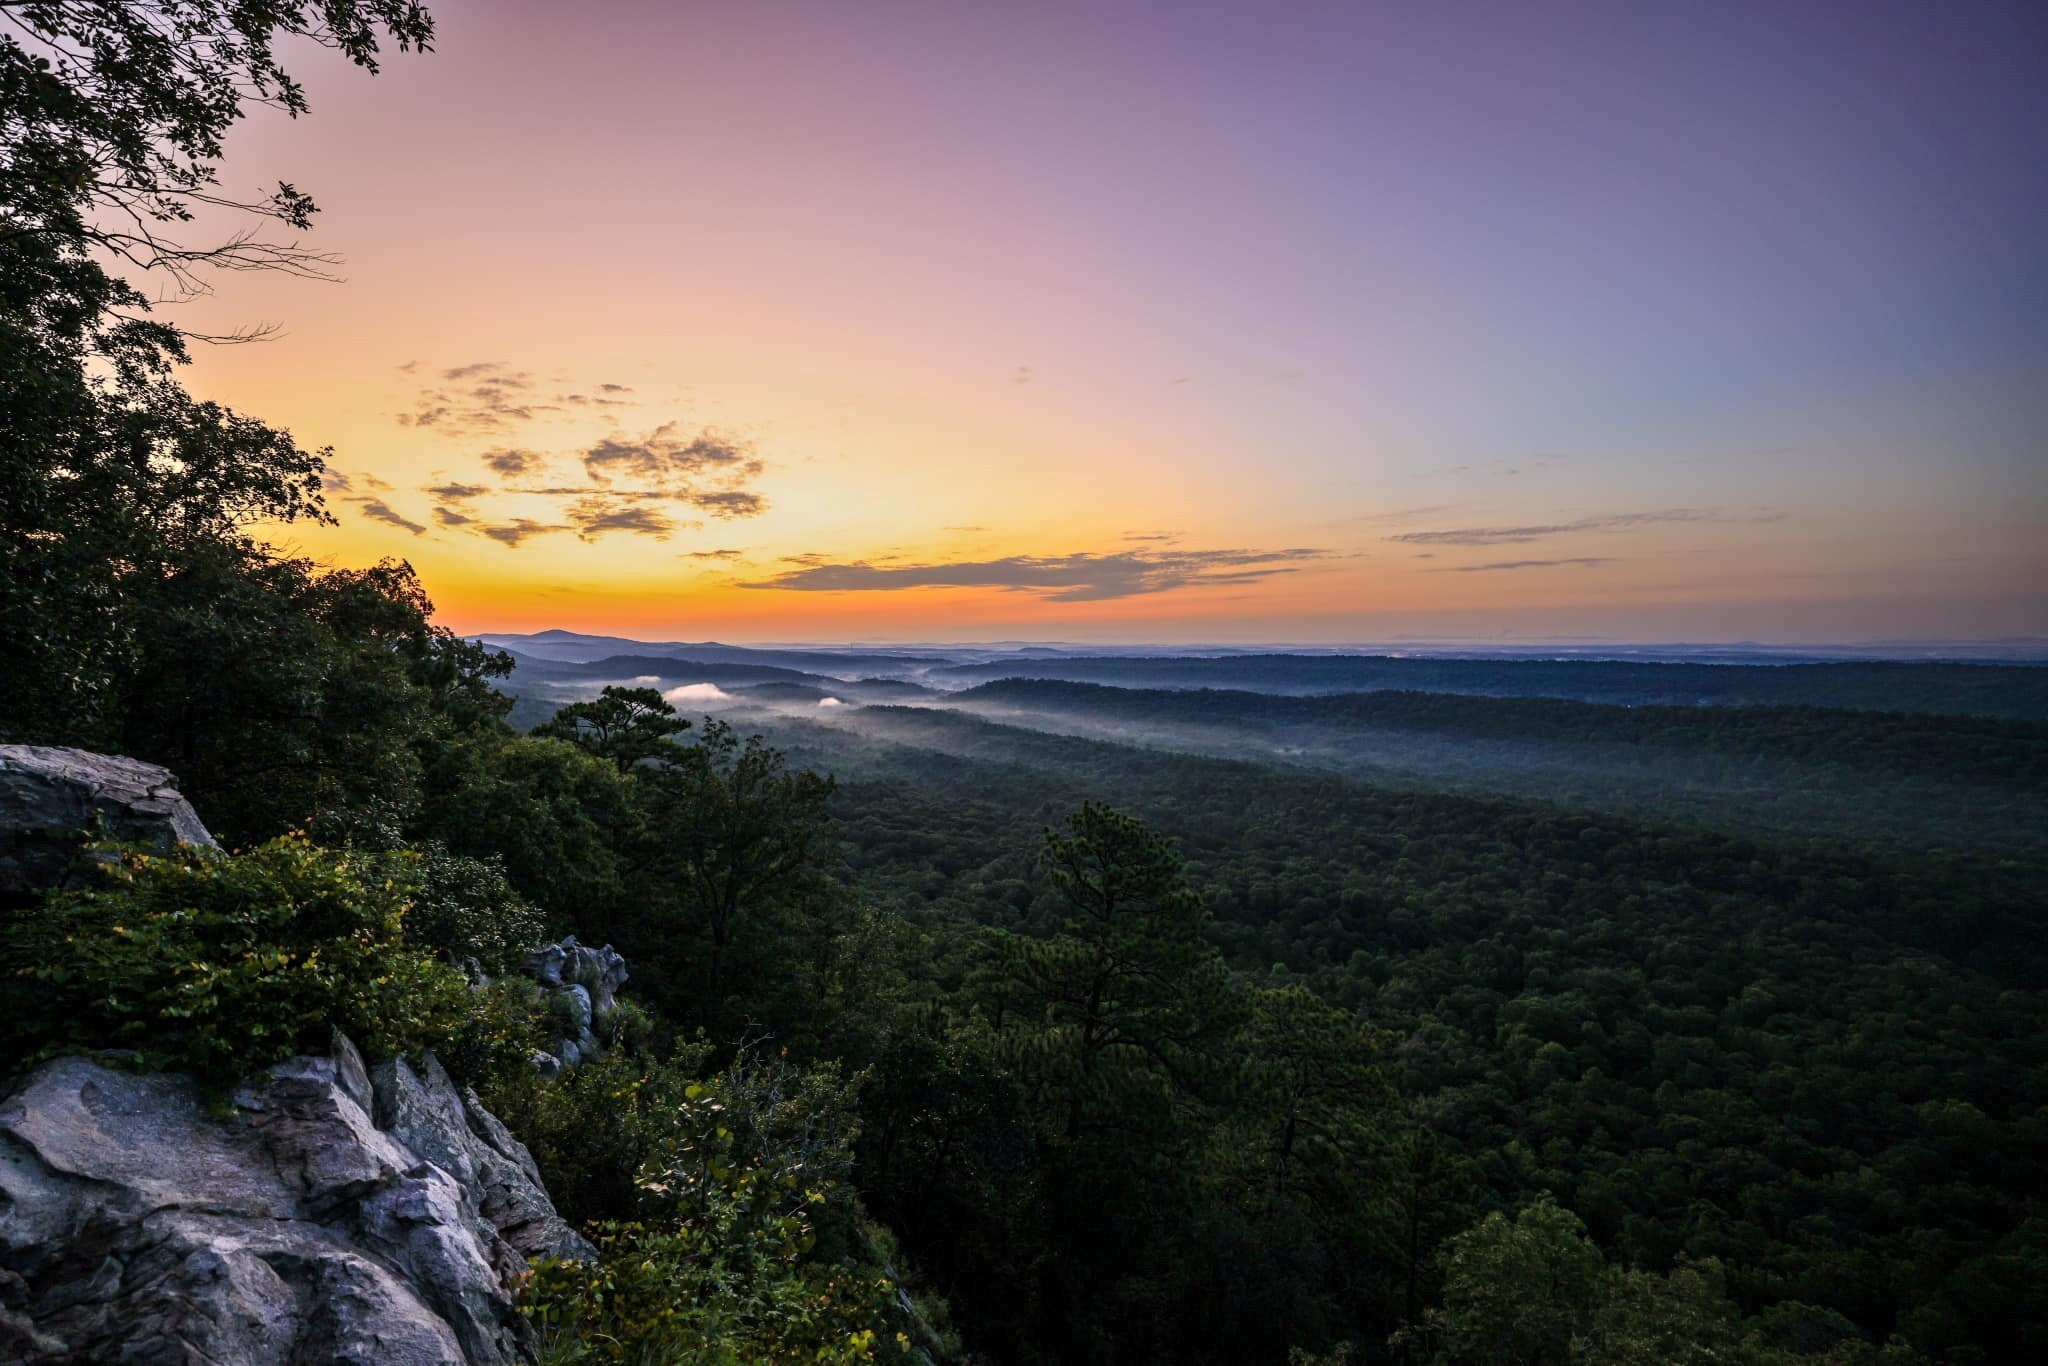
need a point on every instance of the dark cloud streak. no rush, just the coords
(1078, 577)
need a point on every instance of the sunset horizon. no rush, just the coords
(919, 324)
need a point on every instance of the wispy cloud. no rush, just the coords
(379, 511)
(713, 554)
(1402, 514)
(1060, 578)
(642, 485)
(1520, 564)
(484, 396)
(516, 532)
(1521, 535)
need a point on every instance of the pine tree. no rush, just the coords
(1124, 1003)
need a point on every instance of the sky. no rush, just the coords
(1177, 322)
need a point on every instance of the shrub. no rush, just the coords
(678, 1293)
(466, 907)
(218, 964)
(726, 1230)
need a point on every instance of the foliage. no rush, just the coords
(681, 1294)
(728, 873)
(114, 481)
(220, 964)
(1808, 1060)
(466, 908)
(1519, 1290)
(285, 698)
(727, 1232)
(624, 725)
(560, 821)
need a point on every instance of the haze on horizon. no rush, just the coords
(1294, 322)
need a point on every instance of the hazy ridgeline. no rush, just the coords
(1951, 755)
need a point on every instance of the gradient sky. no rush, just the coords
(1176, 322)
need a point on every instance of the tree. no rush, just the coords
(556, 817)
(624, 725)
(1519, 1290)
(111, 476)
(286, 699)
(1127, 998)
(1114, 1025)
(732, 839)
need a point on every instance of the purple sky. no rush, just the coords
(1744, 306)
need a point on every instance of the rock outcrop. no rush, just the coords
(52, 800)
(583, 983)
(333, 1214)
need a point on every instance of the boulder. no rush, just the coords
(583, 983)
(600, 972)
(52, 800)
(334, 1213)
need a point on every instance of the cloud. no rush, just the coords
(712, 554)
(1403, 514)
(485, 396)
(512, 534)
(1520, 535)
(1519, 564)
(513, 463)
(698, 693)
(1151, 535)
(830, 702)
(963, 528)
(378, 511)
(593, 517)
(730, 503)
(648, 484)
(342, 482)
(1060, 578)
(664, 455)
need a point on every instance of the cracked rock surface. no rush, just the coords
(51, 799)
(335, 1214)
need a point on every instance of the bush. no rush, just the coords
(219, 964)
(467, 908)
(678, 1293)
(725, 1227)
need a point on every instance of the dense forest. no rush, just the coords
(958, 1039)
